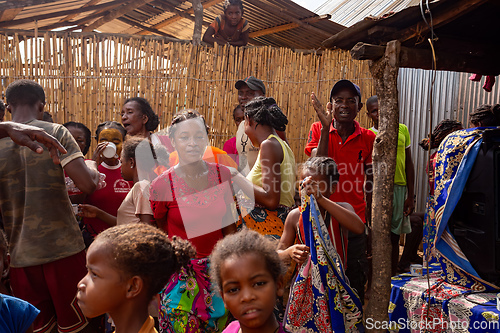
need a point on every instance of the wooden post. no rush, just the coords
(385, 74)
(198, 21)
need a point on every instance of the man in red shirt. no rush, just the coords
(340, 137)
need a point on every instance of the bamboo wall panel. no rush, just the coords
(87, 78)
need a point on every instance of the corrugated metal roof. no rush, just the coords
(261, 14)
(349, 12)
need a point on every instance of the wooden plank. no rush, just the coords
(142, 26)
(444, 15)
(288, 26)
(55, 14)
(23, 3)
(178, 17)
(9, 14)
(74, 23)
(422, 58)
(88, 4)
(91, 34)
(122, 10)
(198, 21)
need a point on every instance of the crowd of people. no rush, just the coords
(166, 232)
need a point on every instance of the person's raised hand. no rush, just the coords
(325, 115)
(32, 137)
(97, 156)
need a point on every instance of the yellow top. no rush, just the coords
(287, 172)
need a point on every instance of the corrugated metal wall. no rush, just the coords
(453, 97)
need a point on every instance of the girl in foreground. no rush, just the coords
(127, 265)
(321, 226)
(249, 274)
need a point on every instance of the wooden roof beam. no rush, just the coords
(288, 26)
(88, 4)
(10, 4)
(9, 14)
(282, 13)
(142, 26)
(55, 14)
(116, 13)
(422, 58)
(447, 14)
(178, 17)
(76, 23)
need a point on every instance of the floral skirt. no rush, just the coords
(266, 222)
(188, 303)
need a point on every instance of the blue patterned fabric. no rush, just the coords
(446, 308)
(454, 161)
(321, 299)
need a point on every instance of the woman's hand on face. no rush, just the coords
(311, 187)
(299, 253)
(97, 156)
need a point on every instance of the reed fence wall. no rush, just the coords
(87, 77)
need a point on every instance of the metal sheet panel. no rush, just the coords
(454, 96)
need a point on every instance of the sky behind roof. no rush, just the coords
(309, 4)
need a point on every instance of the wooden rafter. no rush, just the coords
(55, 14)
(142, 26)
(76, 23)
(448, 14)
(281, 12)
(88, 4)
(287, 26)
(9, 14)
(177, 17)
(118, 12)
(422, 58)
(24, 3)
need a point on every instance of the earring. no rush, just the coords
(131, 167)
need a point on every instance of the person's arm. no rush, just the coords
(326, 118)
(209, 38)
(84, 174)
(409, 203)
(242, 41)
(286, 248)
(343, 213)
(146, 218)
(26, 135)
(94, 212)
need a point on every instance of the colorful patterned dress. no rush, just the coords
(188, 303)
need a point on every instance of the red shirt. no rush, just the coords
(351, 156)
(109, 198)
(184, 209)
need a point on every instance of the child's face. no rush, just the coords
(112, 135)
(372, 111)
(249, 291)
(238, 116)
(127, 169)
(233, 15)
(79, 135)
(324, 188)
(103, 289)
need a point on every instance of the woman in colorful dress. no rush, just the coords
(193, 200)
(272, 178)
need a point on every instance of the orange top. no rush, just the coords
(212, 155)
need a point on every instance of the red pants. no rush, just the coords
(52, 289)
